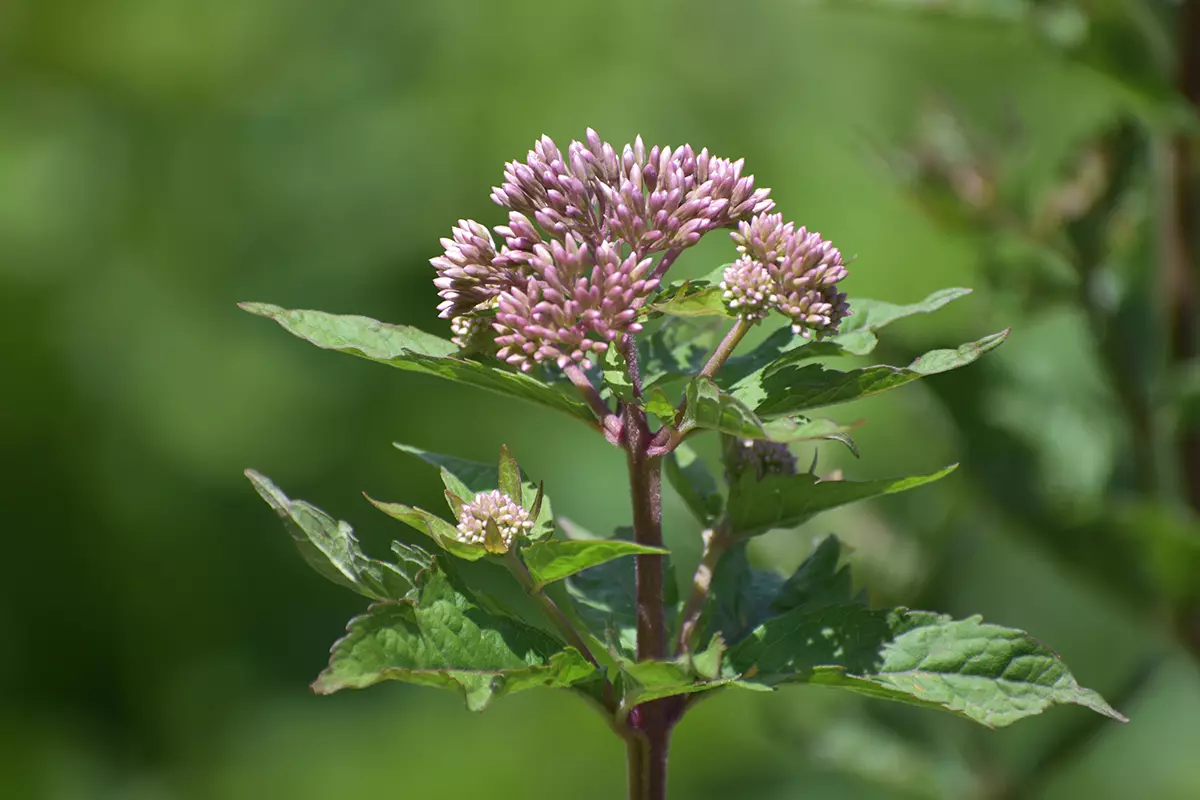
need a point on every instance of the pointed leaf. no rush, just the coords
(444, 639)
(410, 349)
(433, 526)
(509, 475)
(857, 333)
(656, 403)
(330, 547)
(677, 349)
(553, 560)
(694, 297)
(468, 478)
(785, 501)
(689, 477)
(817, 582)
(740, 596)
(988, 673)
(779, 390)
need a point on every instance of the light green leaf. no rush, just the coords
(433, 526)
(781, 390)
(553, 560)
(615, 371)
(712, 409)
(509, 475)
(657, 404)
(643, 681)
(785, 501)
(444, 639)
(988, 673)
(410, 349)
(468, 478)
(692, 298)
(330, 547)
(689, 477)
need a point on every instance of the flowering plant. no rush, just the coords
(572, 311)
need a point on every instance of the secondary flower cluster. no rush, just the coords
(511, 519)
(576, 261)
(761, 458)
(789, 269)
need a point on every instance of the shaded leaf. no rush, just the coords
(856, 334)
(554, 559)
(410, 349)
(712, 409)
(442, 638)
(817, 582)
(689, 476)
(740, 596)
(785, 501)
(330, 547)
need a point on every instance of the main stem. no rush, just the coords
(650, 723)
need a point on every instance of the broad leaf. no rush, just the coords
(792, 388)
(817, 582)
(988, 673)
(410, 349)
(712, 409)
(442, 638)
(677, 349)
(468, 478)
(330, 547)
(643, 681)
(740, 597)
(785, 501)
(693, 298)
(553, 560)
(689, 477)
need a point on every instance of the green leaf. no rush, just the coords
(781, 390)
(785, 501)
(468, 478)
(688, 475)
(817, 582)
(988, 673)
(553, 560)
(444, 639)
(433, 526)
(692, 298)
(656, 403)
(677, 349)
(509, 475)
(410, 349)
(740, 596)
(712, 409)
(857, 333)
(330, 547)
(615, 372)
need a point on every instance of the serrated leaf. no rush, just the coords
(433, 526)
(988, 673)
(553, 560)
(330, 547)
(777, 390)
(468, 478)
(444, 639)
(688, 475)
(785, 501)
(740, 596)
(410, 349)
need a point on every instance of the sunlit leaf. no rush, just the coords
(553, 560)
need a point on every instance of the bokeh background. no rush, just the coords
(161, 160)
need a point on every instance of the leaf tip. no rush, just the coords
(259, 309)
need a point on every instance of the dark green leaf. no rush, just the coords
(740, 596)
(817, 582)
(689, 476)
(444, 639)
(785, 501)
(330, 547)
(553, 560)
(792, 388)
(677, 349)
(988, 673)
(410, 349)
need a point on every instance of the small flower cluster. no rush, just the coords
(761, 458)
(576, 261)
(510, 518)
(789, 269)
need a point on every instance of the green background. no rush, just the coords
(161, 160)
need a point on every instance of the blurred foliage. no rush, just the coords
(162, 160)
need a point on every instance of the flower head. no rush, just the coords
(510, 519)
(762, 458)
(748, 288)
(466, 276)
(804, 268)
